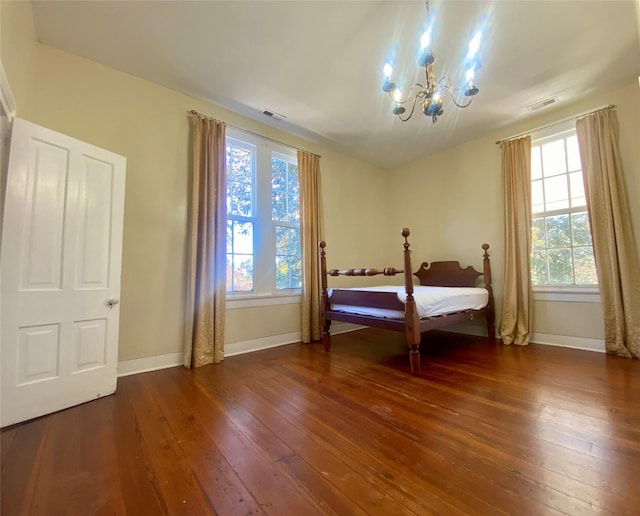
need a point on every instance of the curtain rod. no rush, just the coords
(193, 112)
(557, 122)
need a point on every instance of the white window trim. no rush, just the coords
(250, 300)
(562, 293)
(262, 295)
(567, 293)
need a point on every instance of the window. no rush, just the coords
(263, 217)
(562, 254)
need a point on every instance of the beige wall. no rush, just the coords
(149, 125)
(453, 202)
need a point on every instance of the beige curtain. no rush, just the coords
(206, 282)
(613, 243)
(310, 234)
(515, 324)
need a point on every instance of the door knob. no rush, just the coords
(112, 302)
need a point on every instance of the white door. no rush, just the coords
(60, 273)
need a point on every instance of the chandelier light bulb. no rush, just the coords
(474, 45)
(470, 74)
(387, 70)
(397, 94)
(425, 40)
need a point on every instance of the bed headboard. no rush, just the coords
(447, 274)
(451, 274)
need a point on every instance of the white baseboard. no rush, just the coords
(143, 365)
(565, 341)
(146, 364)
(546, 339)
(248, 346)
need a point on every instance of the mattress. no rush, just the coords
(430, 301)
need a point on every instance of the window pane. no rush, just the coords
(293, 191)
(556, 193)
(584, 266)
(539, 268)
(573, 154)
(285, 188)
(580, 231)
(239, 165)
(558, 231)
(553, 158)
(239, 199)
(288, 263)
(242, 273)
(239, 273)
(278, 189)
(536, 164)
(537, 233)
(229, 272)
(537, 197)
(282, 240)
(282, 273)
(242, 237)
(295, 266)
(287, 241)
(288, 273)
(239, 256)
(560, 270)
(577, 189)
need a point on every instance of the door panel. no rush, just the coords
(94, 221)
(38, 348)
(42, 212)
(61, 256)
(89, 345)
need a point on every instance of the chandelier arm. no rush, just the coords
(410, 94)
(453, 99)
(452, 93)
(413, 108)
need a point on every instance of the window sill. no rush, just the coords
(567, 294)
(236, 301)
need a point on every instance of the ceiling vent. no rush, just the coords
(273, 114)
(542, 104)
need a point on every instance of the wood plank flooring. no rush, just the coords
(486, 429)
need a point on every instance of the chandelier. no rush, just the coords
(431, 95)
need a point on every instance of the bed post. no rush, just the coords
(325, 323)
(491, 329)
(411, 321)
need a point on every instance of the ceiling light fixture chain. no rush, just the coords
(431, 95)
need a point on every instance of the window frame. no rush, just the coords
(264, 291)
(562, 293)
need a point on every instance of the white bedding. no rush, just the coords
(430, 301)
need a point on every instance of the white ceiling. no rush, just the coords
(320, 62)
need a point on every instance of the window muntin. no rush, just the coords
(263, 220)
(562, 253)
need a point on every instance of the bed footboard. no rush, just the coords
(443, 274)
(411, 324)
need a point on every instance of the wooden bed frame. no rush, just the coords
(442, 274)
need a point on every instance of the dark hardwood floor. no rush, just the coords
(486, 429)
